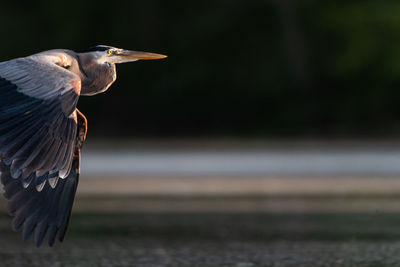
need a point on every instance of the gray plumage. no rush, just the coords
(42, 131)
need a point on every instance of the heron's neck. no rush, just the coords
(96, 78)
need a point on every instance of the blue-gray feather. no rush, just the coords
(40, 213)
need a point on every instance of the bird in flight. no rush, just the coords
(42, 131)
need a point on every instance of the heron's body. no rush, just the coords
(42, 131)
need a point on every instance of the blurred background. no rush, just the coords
(270, 135)
(235, 68)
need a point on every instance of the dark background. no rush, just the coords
(235, 68)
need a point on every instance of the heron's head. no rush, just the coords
(114, 55)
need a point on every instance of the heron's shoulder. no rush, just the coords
(53, 56)
(42, 70)
(54, 52)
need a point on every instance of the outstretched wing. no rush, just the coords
(37, 120)
(38, 129)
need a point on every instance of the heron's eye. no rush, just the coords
(110, 52)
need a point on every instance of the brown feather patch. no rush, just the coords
(76, 84)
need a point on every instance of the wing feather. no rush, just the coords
(35, 115)
(38, 131)
(41, 212)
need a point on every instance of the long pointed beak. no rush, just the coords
(129, 56)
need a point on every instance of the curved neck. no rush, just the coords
(96, 78)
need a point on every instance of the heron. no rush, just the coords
(42, 132)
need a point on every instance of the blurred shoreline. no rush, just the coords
(238, 186)
(234, 157)
(126, 195)
(239, 176)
